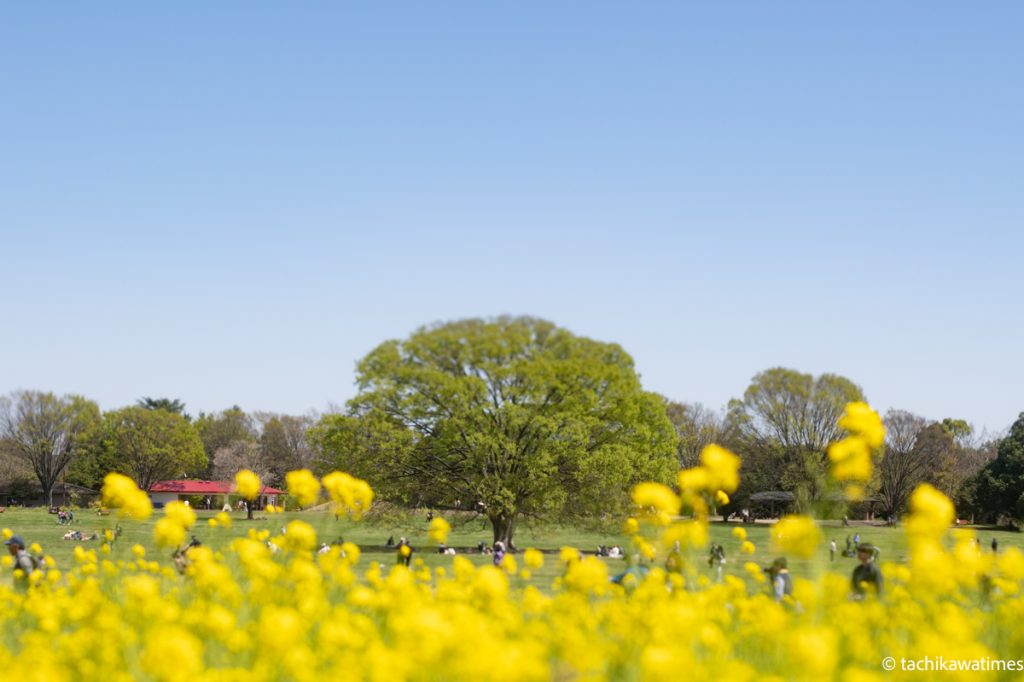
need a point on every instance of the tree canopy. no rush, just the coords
(45, 431)
(151, 445)
(508, 417)
(998, 489)
(283, 444)
(783, 425)
(171, 405)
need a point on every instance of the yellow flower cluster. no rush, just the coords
(716, 477)
(247, 484)
(851, 456)
(303, 486)
(659, 506)
(797, 535)
(438, 530)
(251, 614)
(349, 494)
(171, 529)
(120, 492)
(655, 503)
(267, 609)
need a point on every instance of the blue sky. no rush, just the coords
(234, 202)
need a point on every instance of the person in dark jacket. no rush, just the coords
(866, 575)
(24, 564)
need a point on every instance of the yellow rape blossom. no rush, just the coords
(247, 484)
(860, 419)
(797, 535)
(180, 513)
(167, 533)
(851, 459)
(349, 494)
(657, 502)
(120, 492)
(931, 512)
(266, 608)
(695, 480)
(533, 559)
(723, 467)
(303, 486)
(438, 530)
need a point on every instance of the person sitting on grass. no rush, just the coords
(634, 574)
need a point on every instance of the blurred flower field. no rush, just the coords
(267, 605)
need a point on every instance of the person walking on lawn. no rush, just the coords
(24, 564)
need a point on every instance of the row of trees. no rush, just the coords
(785, 421)
(67, 438)
(515, 418)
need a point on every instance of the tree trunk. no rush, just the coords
(248, 510)
(504, 527)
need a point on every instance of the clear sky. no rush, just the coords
(233, 202)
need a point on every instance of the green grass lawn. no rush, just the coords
(36, 525)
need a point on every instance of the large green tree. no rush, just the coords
(998, 489)
(783, 426)
(151, 445)
(45, 431)
(510, 417)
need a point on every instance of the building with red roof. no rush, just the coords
(214, 493)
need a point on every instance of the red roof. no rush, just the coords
(194, 487)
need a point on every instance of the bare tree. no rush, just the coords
(970, 452)
(43, 430)
(238, 455)
(903, 465)
(284, 443)
(697, 427)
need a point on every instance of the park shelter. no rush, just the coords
(774, 504)
(771, 504)
(213, 494)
